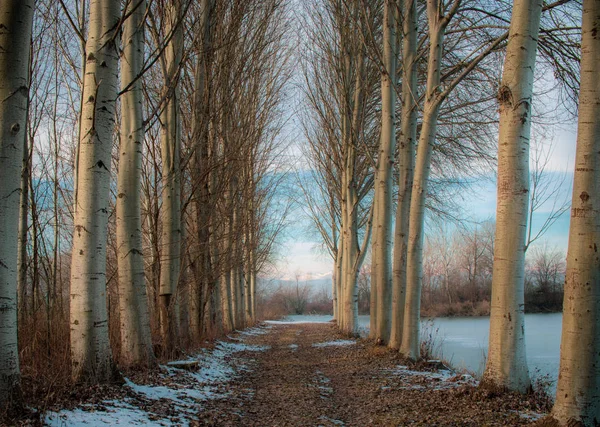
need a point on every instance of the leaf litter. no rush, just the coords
(289, 374)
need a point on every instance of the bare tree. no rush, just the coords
(90, 351)
(136, 342)
(16, 18)
(506, 364)
(577, 391)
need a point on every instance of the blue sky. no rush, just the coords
(302, 251)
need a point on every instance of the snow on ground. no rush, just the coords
(180, 396)
(177, 394)
(120, 413)
(437, 380)
(293, 347)
(256, 331)
(321, 382)
(293, 322)
(530, 415)
(295, 319)
(336, 343)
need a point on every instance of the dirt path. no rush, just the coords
(311, 376)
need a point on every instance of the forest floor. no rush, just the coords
(300, 374)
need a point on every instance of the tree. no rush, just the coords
(506, 363)
(90, 351)
(16, 18)
(136, 342)
(578, 388)
(342, 97)
(201, 288)
(170, 120)
(407, 141)
(381, 248)
(547, 268)
(447, 68)
(438, 19)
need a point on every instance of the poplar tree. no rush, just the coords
(16, 17)
(381, 270)
(91, 357)
(136, 342)
(506, 362)
(578, 388)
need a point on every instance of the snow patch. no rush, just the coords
(181, 396)
(336, 343)
(331, 421)
(232, 347)
(530, 415)
(123, 414)
(321, 382)
(180, 390)
(294, 322)
(293, 347)
(436, 380)
(262, 330)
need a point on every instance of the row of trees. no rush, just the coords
(457, 273)
(184, 100)
(465, 78)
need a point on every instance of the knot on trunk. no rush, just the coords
(505, 95)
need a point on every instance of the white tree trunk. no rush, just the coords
(410, 346)
(90, 350)
(339, 280)
(171, 175)
(408, 136)
(382, 221)
(248, 316)
(506, 363)
(198, 298)
(578, 388)
(334, 288)
(16, 18)
(136, 342)
(351, 253)
(23, 227)
(252, 247)
(225, 297)
(373, 292)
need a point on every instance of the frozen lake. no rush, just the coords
(462, 341)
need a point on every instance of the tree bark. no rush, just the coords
(90, 350)
(408, 137)
(23, 227)
(506, 363)
(578, 388)
(136, 342)
(171, 176)
(410, 346)
(200, 174)
(382, 222)
(16, 17)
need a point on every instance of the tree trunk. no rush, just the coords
(410, 346)
(408, 136)
(200, 172)
(382, 222)
(136, 342)
(578, 388)
(506, 363)
(16, 17)
(23, 227)
(90, 350)
(171, 176)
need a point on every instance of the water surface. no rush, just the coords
(463, 341)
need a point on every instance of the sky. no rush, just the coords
(302, 251)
